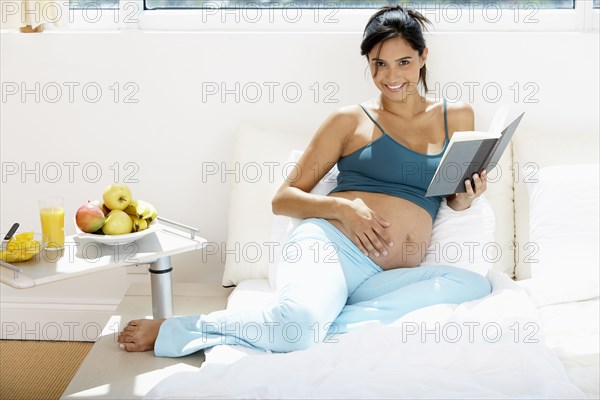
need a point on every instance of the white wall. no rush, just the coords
(173, 134)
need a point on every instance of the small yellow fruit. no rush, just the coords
(138, 224)
(117, 223)
(116, 196)
(24, 237)
(21, 247)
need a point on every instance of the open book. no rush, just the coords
(471, 152)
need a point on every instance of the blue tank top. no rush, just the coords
(386, 166)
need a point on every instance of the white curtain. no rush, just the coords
(21, 13)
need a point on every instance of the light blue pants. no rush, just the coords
(326, 286)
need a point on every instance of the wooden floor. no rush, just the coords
(53, 369)
(38, 369)
(110, 373)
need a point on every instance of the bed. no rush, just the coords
(490, 348)
(535, 336)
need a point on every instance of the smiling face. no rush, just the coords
(395, 69)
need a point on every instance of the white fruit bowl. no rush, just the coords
(116, 240)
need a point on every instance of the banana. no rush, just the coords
(153, 215)
(143, 224)
(131, 208)
(144, 209)
(135, 224)
(141, 209)
(138, 224)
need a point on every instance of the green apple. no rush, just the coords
(117, 223)
(116, 196)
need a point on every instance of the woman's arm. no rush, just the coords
(363, 226)
(326, 147)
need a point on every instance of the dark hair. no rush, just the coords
(391, 22)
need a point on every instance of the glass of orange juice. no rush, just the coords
(52, 215)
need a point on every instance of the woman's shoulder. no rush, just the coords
(344, 119)
(348, 113)
(456, 107)
(460, 116)
(459, 109)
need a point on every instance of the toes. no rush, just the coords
(130, 327)
(132, 324)
(131, 347)
(125, 337)
(138, 335)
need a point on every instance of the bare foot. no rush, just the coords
(139, 334)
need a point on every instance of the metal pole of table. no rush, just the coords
(162, 288)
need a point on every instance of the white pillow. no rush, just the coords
(539, 149)
(260, 158)
(563, 234)
(463, 239)
(284, 225)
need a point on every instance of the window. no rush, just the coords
(332, 15)
(186, 4)
(93, 4)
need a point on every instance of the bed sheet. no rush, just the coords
(572, 332)
(499, 352)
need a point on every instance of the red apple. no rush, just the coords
(101, 205)
(89, 218)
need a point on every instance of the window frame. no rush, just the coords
(131, 16)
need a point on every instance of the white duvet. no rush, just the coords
(488, 348)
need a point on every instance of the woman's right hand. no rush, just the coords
(366, 229)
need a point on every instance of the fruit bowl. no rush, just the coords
(116, 240)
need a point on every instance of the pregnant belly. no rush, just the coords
(410, 228)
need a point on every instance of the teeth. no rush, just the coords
(395, 87)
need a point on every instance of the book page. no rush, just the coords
(499, 120)
(463, 136)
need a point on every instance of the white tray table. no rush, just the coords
(80, 257)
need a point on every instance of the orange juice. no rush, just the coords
(53, 227)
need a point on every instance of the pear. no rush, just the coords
(117, 223)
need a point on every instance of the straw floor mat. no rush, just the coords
(38, 369)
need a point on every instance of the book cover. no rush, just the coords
(469, 153)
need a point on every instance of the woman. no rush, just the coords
(387, 151)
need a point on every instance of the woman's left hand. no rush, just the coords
(462, 201)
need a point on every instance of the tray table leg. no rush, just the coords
(162, 288)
